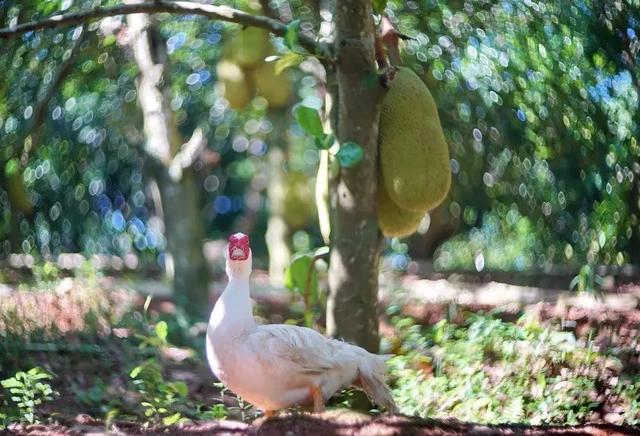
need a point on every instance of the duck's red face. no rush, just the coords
(239, 247)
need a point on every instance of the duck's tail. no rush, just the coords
(372, 373)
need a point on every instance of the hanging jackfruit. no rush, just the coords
(249, 47)
(291, 198)
(393, 220)
(276, 89)
(237, 89)
(18, 195)
(414, 156)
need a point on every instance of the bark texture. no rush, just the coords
(355, 239)
(178, 189)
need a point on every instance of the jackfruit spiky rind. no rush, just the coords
(393, 220)
(414, 156)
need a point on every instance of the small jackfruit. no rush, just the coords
(322, 196)
(276, 89)
(237, 89)
(249, 47)
(292, 199)
(18, 195)
(414, 156)
(393, 220)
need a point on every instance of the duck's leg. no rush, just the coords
(318, 399)
(269, 413)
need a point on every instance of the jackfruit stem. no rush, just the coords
(390, 38)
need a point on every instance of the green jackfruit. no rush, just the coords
(292, 199)
(414, 156)
(237, 89)
(276, 89)
(299, 207)
(249, 47)
(18, 195)
(393, 220)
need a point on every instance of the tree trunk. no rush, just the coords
(178, 189)
(353, 272)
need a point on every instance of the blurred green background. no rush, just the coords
(538, 100)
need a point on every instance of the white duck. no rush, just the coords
(277, 366)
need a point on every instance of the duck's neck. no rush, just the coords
(233, 311)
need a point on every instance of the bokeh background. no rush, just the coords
(539, 102)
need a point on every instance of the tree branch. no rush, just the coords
(222, 13)
(188, 154)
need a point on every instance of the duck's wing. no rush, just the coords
(299, 348)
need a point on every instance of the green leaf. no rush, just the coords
(161, 330)
(11, 167)
(309, 120)
(574, 282)
(135, 371)
(288, 60)
(322, 251)
(379, 6)
(181, 388)
(170, 420)
(296, 275)
(326, 143)
(349, 154)
(108, 40)
(11, 383)
(291, 34)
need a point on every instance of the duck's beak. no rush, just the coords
(239, 247)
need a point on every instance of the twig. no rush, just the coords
(222, 13)
(381, 58)
(390, 38)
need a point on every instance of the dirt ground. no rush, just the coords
(612, 326)
(336, 422)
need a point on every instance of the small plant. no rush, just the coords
(157, 338)
(243, 410)
(28, 390)
(217, 411)
(46, 273)
(159, 397)
(301, 277)
(587, 280)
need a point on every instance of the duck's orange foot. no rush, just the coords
(268, 414)
(318, 399)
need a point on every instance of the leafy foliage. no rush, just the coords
(301, 277)
(491, 371)
(28, 390)
(159, 397)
